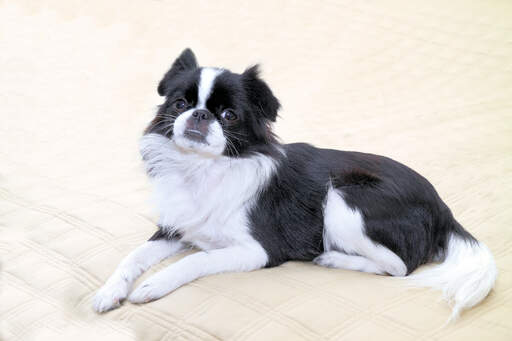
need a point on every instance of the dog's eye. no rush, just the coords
(179, 104)
(229, 115)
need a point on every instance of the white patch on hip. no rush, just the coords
(344, 232)
(206, 82)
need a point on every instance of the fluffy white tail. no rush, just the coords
(466, 275)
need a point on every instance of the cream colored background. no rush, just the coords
(428, 83)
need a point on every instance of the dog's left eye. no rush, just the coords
(179, 104)
(229, 115)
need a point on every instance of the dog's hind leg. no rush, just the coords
(346, 244)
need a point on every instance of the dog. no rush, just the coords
(225, 185)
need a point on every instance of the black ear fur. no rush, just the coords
(186, 61)
(260, 94)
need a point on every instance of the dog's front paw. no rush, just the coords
(110, 296)
(150, 290)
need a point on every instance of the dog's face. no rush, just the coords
(213, 111)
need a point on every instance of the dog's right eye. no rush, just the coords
(179, 104)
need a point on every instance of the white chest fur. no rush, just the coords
(205, 198)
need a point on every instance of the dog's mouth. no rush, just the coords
(195, 135)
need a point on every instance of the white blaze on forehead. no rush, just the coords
(206, 81)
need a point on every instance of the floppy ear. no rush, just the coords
(186, 61)
(260, 94)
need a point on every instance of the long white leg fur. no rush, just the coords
(200, 264)
(115, 290)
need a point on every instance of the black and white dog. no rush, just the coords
(226, 186)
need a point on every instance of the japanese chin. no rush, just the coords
(227, 187)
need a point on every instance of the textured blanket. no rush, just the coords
(428, 83)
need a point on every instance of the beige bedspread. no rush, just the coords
(428, 83)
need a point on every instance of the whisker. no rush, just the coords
(171, 126)
(162, 122)
(165, 115)
(232, 147)
(229, 134)
(237, 133)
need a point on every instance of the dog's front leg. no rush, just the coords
(232, 259)
(115, 290)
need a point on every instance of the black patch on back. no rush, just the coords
(354, 177)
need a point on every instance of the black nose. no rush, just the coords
(202, 114)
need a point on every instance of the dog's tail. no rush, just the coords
(466, 275)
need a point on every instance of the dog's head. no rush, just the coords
(213, 111)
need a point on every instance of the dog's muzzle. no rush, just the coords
(198, 124)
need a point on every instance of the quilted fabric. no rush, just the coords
(428, 83)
